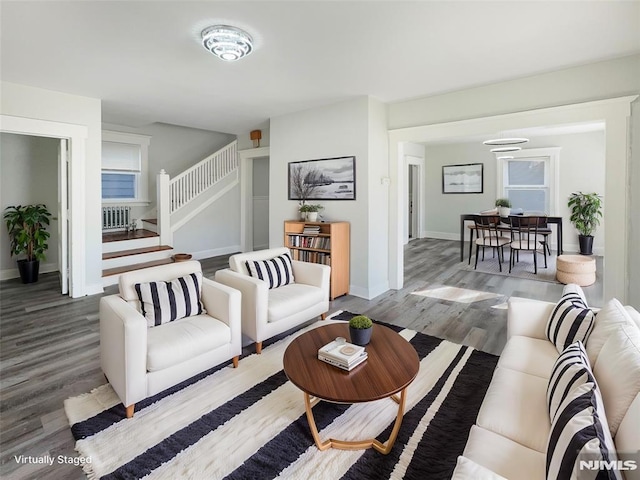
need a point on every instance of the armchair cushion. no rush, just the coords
(166, 301)
(183, 340)
(291, 299)
(276, 271)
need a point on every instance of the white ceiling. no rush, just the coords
(145, 61)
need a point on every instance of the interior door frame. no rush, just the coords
(246, 194)
(63, 220)
(76, 135)
(418, 162)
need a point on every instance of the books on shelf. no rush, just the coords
(317, 242)
(311, 230)
(342, 354)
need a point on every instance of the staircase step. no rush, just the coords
(138, 266)
(120, 236)
(135, 251)
(152, 221)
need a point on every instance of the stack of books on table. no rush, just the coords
(311, 230)
(343, 355)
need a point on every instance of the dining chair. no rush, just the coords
(525, 236)
(543, 237)
(488, 235)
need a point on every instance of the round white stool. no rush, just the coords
(578, 269)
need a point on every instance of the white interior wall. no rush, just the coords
(29, 167)
(332, 131)
(36, 103)
(634, 205)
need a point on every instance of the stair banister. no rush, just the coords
(164, 208)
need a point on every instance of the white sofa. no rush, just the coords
(511, 433)
(268, 312)
(140, 361)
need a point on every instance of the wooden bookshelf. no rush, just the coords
(329, 246)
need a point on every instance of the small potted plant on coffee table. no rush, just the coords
(360, 328)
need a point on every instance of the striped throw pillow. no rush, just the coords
(571, 320)
(277, 271)
(579, 430)
(571, 369)
(164, 302)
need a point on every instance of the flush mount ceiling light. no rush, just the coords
(226, 42)
(506, 141)
(505, 149)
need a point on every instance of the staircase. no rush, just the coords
(179, 200)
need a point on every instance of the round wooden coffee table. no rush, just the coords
(392, 364)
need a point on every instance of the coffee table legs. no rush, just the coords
(383, 448)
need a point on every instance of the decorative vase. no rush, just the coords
(303, 216)
(586, 244)
(504, 211)
(360, 336)
(29, 270)
(312, 216)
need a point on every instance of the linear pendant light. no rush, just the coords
(506, 141)
(505, 149)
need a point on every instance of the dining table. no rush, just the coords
(469, 217)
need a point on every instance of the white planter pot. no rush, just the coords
(504, 211)
(312, 216)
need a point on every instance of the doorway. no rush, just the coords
(260, 203)
(247, 158)
(413, 191)
(414, 197)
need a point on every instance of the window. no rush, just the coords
(529, 179)
(124, 167)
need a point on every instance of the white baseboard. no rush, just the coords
(368, 293)
(94, 289)
(440, 235)
(10, 273)
(215, 252)
(574, 248)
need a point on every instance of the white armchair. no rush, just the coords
(268, 312)
(139, 361)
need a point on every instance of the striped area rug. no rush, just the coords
(250, 423)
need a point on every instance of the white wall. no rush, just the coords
(29, 167)
(613, 78)
(36, 103)
(337, 130)
(634, 206)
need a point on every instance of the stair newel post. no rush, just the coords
(164, 208)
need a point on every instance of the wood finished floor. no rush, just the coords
(49, 343)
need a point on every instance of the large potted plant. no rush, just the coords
(27, 233)
(586, 211)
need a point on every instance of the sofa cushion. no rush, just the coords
(617, 372)
(276, 271)
(579, 431)
(570, 320)
(515, 407)
(176, 342)
(291, 299)
(612, 315)
(634, 314)
(571, 370)
(529, 355)
(467, 469)
(164, 302)
(628, 435)
(503, 456)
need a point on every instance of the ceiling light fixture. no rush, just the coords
(506, 157)
(506, 141)
(226, 42)
(505, 149)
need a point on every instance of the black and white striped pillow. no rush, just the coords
(164, 302)
(277, 271)
(579, 430)
(571, 320)
(571, 370)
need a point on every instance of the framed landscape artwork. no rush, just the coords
(323, 179)
(462, 178)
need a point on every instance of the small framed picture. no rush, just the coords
(462, 178)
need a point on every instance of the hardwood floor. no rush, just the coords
(50, 343)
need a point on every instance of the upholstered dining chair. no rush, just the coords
(525, 236)
(278, 293)
(145, 348)
(488, 235)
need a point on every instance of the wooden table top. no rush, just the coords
(392, 364)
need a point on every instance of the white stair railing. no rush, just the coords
(192, 182)
(174, 194)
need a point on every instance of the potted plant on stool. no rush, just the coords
(586, 210)
(360, 328)
(26, 225)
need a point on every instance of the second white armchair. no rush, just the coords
(266, 311)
